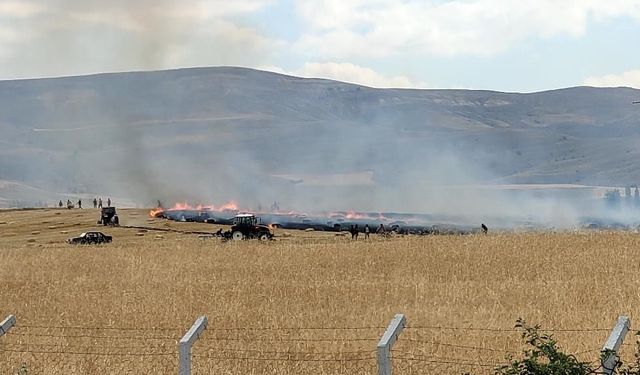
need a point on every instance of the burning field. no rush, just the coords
(323, 221)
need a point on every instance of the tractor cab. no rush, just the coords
(245, 220)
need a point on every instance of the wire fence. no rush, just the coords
(60, 349)
(421, 349)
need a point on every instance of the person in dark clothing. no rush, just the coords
(79, 203)
(95, 203)
(108, 202)
(357, 231)
(100, 202)
(352, 229)
(60, 203)
(366, 231)
(381, 229)
(484, 228)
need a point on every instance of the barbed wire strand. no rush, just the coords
(450, 362)
(425, 356)
(457, 346)
(53, 335)
(75, 346)
(287, 328)
(87, 353)
(281, 352)
(482, 329)
(294, 328)
(280, 339)
(309, 328)
(96, 328)
(285, 359)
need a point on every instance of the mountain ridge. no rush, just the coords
(142, 134)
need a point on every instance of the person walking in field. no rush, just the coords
(354, 232)
(60, 203)
(80, 203)
(100, 202)
(95, 203)
(366, 231)
(108, 202)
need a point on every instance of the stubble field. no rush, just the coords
(307, 303)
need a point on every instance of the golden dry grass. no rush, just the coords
(314, 280)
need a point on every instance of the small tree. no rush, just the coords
(542, 357)
(632, 368)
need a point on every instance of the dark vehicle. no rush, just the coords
(108, 216)
(245, 226)
(88, 238)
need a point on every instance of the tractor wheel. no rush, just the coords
(237, 235)
(264, 237)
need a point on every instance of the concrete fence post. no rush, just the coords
(386, 342)
(610, 349)
(187, 342)
(6, 324)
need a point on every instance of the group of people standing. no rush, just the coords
(355, 231)
(97, 203)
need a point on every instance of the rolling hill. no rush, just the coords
(232, 133)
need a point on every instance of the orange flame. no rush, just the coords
(229, 206)
(354, 215)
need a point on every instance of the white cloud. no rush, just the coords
(347, 72)
(68, 37)
(18, 9)
(629, 78)
(375, 28)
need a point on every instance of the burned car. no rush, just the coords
(88, 238)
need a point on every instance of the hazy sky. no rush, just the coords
(511, 45)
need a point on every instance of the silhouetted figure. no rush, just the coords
(60, 203)
(69, 204)
(275, 207)
(100, 202)
(79, 203)
(380, 229)
(366, 231)
(108, 202)
(357, 231)
(484, 228)
(95, 203)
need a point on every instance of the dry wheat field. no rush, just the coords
(305, 303)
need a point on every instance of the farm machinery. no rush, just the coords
(108, 216)
(246, 226)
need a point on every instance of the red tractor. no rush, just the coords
(245, 226)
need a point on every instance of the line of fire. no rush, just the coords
(339, 221)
